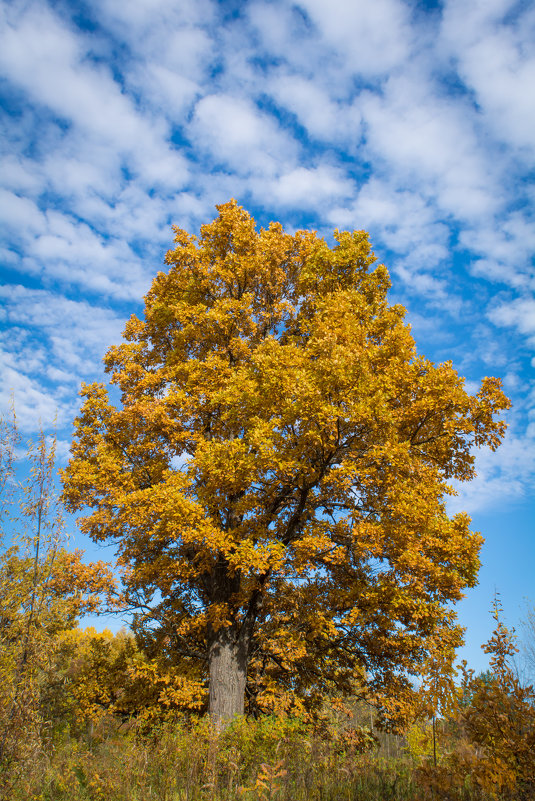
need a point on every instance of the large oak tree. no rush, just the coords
(276, 470)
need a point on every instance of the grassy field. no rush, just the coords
(267, 760)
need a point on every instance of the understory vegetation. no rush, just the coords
(88, 718)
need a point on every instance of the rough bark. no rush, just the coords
(228, 674)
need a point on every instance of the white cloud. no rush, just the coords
(314, 109)
(71, 251)
(72, 326)
(169, 92)
(403, 220)
(43, 56)
(19, 175)
(50, 345)
(81, 170)
(308, 188)
(20, 214)
(240, 136)
(496, 59)
(150, 26)
(171, 47)
(372, 36)
(506, 248)
(429, 142)
(519, 314)
(436, 291)
(280, 31)
(34, 403)
(503, 477)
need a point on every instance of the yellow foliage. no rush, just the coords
(276, 471)
(494, 717)
(420, 739)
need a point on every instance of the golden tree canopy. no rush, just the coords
(276, 471)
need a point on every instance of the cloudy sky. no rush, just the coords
(413, 120)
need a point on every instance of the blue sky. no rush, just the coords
(414, 121)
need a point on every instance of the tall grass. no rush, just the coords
(272, 759)
(267, 760)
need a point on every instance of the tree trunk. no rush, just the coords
(228, 674)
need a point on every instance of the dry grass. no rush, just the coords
(267, 760)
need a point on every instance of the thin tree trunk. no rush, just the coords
(228, 673)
